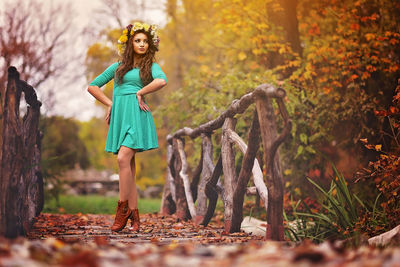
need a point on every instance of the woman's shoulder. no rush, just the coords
(155, 67)
(115, 64)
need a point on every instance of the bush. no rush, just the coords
(336, 218)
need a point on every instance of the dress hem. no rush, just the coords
(139, 149)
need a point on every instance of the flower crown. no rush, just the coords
(131, 29)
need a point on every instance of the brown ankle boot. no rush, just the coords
(122, 215)
(135, 220)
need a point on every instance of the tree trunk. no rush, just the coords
(21, 180)
(291, 24)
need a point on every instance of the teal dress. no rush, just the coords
(129, 125)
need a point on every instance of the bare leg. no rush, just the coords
(124, 158)
(132, 199)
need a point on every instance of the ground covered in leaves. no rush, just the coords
(86, 240)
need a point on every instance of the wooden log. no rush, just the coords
(206, 173)
(170, 170)
(11, 161)
(228, 166)
(212, 191)
(273, 169)
(21, 182)
(168, 206)
(238, 106)
(185, 178)
(36, 188)
(182, 210)
(196, 177)
(251, 191)
(34, 195)
(258, 178)
(245, 171)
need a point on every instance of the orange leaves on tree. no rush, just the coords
(242, 56)
(355, 26)
(370, 36)
(314, 30)
(385, 171)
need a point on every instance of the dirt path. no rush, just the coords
(86, 240)
(154, 228)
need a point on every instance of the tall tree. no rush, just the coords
(32, 36)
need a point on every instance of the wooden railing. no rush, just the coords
(21, 183)
(180, 194)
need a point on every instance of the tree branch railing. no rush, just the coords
(21, 182)
(180, 195)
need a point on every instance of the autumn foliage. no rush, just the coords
(385, 174)
(339, 62)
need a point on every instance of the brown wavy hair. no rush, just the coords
(127, 61)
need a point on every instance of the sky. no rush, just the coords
(70, 94)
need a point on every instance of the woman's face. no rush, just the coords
(140, 43)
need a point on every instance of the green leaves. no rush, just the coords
(339, 215)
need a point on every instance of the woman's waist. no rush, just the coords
(125, 91)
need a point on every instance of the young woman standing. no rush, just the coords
(131, 123)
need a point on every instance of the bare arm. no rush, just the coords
(100, 96)
(155, 85)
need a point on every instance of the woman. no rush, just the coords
(131, 127)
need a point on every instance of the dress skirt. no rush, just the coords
(130, 126)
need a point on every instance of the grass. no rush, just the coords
(95, 204)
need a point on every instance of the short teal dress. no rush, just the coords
(129, 125)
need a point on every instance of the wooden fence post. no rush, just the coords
(168, 206)
(212, 190)
(228, 165)
(182, 210)
(21, 182)
(244, 175)
(205, 177)
(274, 178)
(185, 177)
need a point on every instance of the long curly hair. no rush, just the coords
(127, 61)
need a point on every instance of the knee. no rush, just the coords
(123, 160)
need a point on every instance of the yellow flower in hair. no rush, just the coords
(146, 27)
(123, 38)
(138, 26)
(125, 32)
(121, 49)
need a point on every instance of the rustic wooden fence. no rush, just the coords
(180, 194)
(21, 182)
